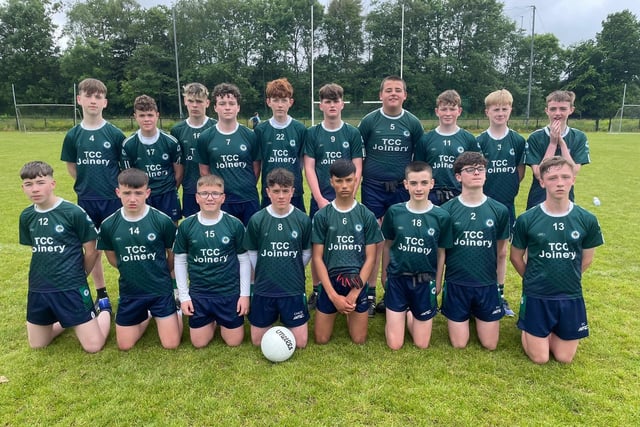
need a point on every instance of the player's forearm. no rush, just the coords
(440, 267)
(369, 262)
(91, 256)
(179, 174)
(517, 260)
(204, 169)
(501, 268)
(73, 170)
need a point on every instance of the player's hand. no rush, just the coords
(243, 306)
(187, 308)
(555, 131)
(343, 305)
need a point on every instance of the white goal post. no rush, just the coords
(25, 122)
(627, 118)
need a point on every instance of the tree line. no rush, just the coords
(471, 46)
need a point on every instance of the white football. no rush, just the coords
(278, 344)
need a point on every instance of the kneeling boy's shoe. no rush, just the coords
(507, 310)
(103, 304)
(313, 301)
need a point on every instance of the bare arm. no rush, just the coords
(91, 255)
(518, 260)
(204, 169)
(312, 180)
(501, 269)
(257, 165)
(385, 260)
(440, 268)
(358, 164)
(587, 258)
(178, 171)
(112, 258)
(521, 172)
(73, 170)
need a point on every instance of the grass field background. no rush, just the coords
(339, 383)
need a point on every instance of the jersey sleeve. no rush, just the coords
(519, 239)
(319, 228)
(388, 230)
(23, 231)
(84, 226)
(355, 143)
(250, 241)
(239, 233)
(202, 147)
(69, 153)
(580, 149)
(594, 233)
(445, 239)
(309, 149)
(180, 243)
(104, 236)
(373, 234)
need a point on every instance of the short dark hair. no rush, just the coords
(417, 166)
(468, 158)
(281, 177)
(133, 178)
(35, 169)
(342, 168)
(145, 103)
(225, 89)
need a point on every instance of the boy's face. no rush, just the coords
(418, 184)
(448, 114)
(210, 198)
(147, 120)
(558, 111)
(92, 105)
(227, 107)
(498, 114)
(557, 181)
(133, 199)
(280, 197)
(39, 189)
(196, 106)
(332, 109)
(280, 106)
(344, 187)
(393, 95)
(472, 176)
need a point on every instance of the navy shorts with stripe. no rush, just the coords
(220, 309)
(189, 205)
(242, 210)
(99, 210)
(135, 310)
(566, 318)
(70, 308)
(324, 304)
(168, 203)
(404, 293)
(378, 199)
(291, 310)
(459, 303)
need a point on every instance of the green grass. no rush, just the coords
(339, 383)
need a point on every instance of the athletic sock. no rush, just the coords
(102, 293)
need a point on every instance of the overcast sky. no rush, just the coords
(572, 21)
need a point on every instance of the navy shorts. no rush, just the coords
(70, 308)
(313, 206)
(220, 309)
(135, 310)
(166, 202)
(566, 318)
(324, 304)
(380, 196)
(440, 196)
(189, 205)
(242, 210)
(459, 303)
(292, 311)
(99, 210)
(296, 200)
(407, 293)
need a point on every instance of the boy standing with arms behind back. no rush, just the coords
(92, 153)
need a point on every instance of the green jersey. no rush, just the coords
(96, 154)
(536, 146)
(212, 249)
(440, 151)
(281, 147)
(554, 245)
(187, 136)
(416, 237)
(155, 156)
(231, 156)
(326, 146)
(388, 144)
(56, 237)
(140, 247)
(504, 153)
(473, 258)
(345, 235)
(279, 242)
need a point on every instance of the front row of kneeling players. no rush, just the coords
(472, 230)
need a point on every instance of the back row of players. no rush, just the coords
(347, 250)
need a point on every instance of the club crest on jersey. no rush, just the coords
(489, 223)
(460, 150)
(225, 240)
(151, 237)
(294, 234)
(512, 152)
(86, 292)
(165, 156)
(106, 144)
(345, 144)
(292, 142)
(431, 231)
(406, 133)
(243, 147)
(575, 234)
(59, 228)
(358, 227)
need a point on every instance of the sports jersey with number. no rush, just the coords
(554, 247)
(388, 144)
(503, 155)
(279, 242)
(345, 235)
(96, 154)
(140, 248)
(155, 159)
(440, 151)
(187, 136)
(281, 147)
(56, 237)
(416, 237)
(231, 156)
(473, 258)
(536, 146)
(327, 146)
(212, 254)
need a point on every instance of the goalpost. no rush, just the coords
(26, 122)
(627, 118)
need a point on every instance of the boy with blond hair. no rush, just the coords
(91, 151)
(196, 99)
(441, 146)
(281, 140)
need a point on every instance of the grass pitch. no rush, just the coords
(339, 383)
